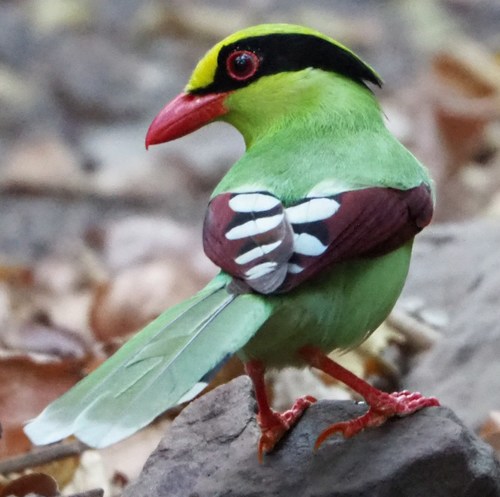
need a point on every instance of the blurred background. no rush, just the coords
(98, 236)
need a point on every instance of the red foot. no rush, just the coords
(274, 424)
(382, 407)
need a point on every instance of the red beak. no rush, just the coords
(184, 114)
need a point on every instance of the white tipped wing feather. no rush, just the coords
(156, 369)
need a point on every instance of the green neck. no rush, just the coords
(308, 101)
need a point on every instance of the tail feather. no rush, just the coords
(157, 368)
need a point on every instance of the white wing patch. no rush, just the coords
(313, 210)
(290, 236)
(306, 244)
(253, 202)
(257, 252)
(309, 211)
(254, 227)
(294, 268)
(261, 270)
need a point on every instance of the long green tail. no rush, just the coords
(156, 369)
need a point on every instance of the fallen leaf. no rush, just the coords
(490, 431)
(46, 338)
(16, 274)
(467, 97)
(31, 385)
(62, 470)
(450, 110)
(368, 359)
(139, 294)
(139, 239)
(40, 163)
(39, 484)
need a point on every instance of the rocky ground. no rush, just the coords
(431, 453)
(97, 236)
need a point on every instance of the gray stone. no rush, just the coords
(18, 42)
(94, 79)
(456, 269)
(449, 260)
(211, 450)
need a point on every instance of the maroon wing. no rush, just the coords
(253, 237)
(368, 223)
(248, 236)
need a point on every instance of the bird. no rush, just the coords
(312, 229)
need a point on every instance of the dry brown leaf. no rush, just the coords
(155, 263)
(39, 484)
(44, 337)
(16, 275)
(139, 294)
(490, 431)
(471, 68)
(452, 109)
(26, 387)
(467, 92)
(60, 274)
(139, 239)
(367, 359)
(418, 334)
(62, 470)
(41, 163)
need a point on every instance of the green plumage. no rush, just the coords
(153, 370)
(332, 141)
(336, 310)
(307, 132)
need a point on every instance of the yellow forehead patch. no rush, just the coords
(204, 72)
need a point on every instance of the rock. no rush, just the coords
(211, 450)
(97, 80)
(118, 18)
(455, 269)
(180, 176)
(20, 100)
(42, 162)
(140, 239)
(17, 40)
(451, 256)
(59, 15)
(49, 221)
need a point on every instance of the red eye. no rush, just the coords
(242, 65)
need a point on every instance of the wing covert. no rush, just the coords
(368, 222)
(274, 248)
(248, 235)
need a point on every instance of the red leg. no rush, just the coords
(382, 405)
(273, 424)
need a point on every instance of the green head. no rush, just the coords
(267, 76)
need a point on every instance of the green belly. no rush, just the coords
(336, 310)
